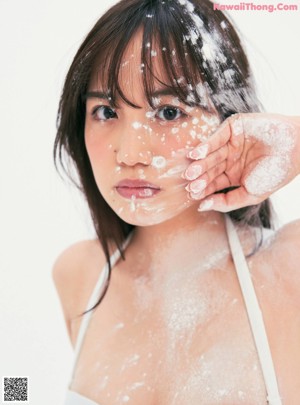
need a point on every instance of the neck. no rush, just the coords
(186, 237)
(189, 222)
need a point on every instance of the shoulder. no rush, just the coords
(282, 254)
(74, 273)
(290, 230)
(286, 243)
(279, 295)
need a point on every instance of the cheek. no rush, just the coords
(99, 150)
(187, 133)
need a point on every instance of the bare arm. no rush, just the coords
(74, 274)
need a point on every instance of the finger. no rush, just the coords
(198, 168)
(209, 182)
(215, 142)
(230, 201)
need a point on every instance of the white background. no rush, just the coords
(40, 215)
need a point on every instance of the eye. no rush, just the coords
(169, 113)
(104, 113)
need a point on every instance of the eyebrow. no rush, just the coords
(164, 92)
(96, 94)
(157, 93)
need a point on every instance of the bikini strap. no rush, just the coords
(97, 292)
(254, 314)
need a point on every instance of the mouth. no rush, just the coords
(137, 188)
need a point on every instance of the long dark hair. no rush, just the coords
(207, 49)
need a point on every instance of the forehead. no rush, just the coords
(132, 67)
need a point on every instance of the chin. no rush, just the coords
(147, 218)
(143, 220)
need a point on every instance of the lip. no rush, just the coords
(137, 188)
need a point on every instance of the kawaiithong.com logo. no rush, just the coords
(255, 7)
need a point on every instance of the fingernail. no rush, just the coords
(199, 152)
(197, 186)
(193, 172)
(206, 205)
(197, 196)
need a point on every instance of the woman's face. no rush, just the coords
(139, 155)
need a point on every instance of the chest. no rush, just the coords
(187, 343)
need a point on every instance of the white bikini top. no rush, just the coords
(252, 307)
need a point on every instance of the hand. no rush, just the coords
(257, 153)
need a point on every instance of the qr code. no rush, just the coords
(15, 389)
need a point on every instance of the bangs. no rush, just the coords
(168, 57)
(188, 48)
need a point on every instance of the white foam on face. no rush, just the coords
(136, 125)
(148, 128)
(119, 325)
(153, 53)
(156, 101)
(150, 114)
(176, 101)
(133, 203)
(189, 109)
(141, 174)
(175, 130)
(210, 120)
(193, 133)
(147, 192)
(150, 211)
(158, 162)
(173, 171)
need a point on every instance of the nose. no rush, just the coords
(134, 145)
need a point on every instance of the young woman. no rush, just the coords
(176, 161)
